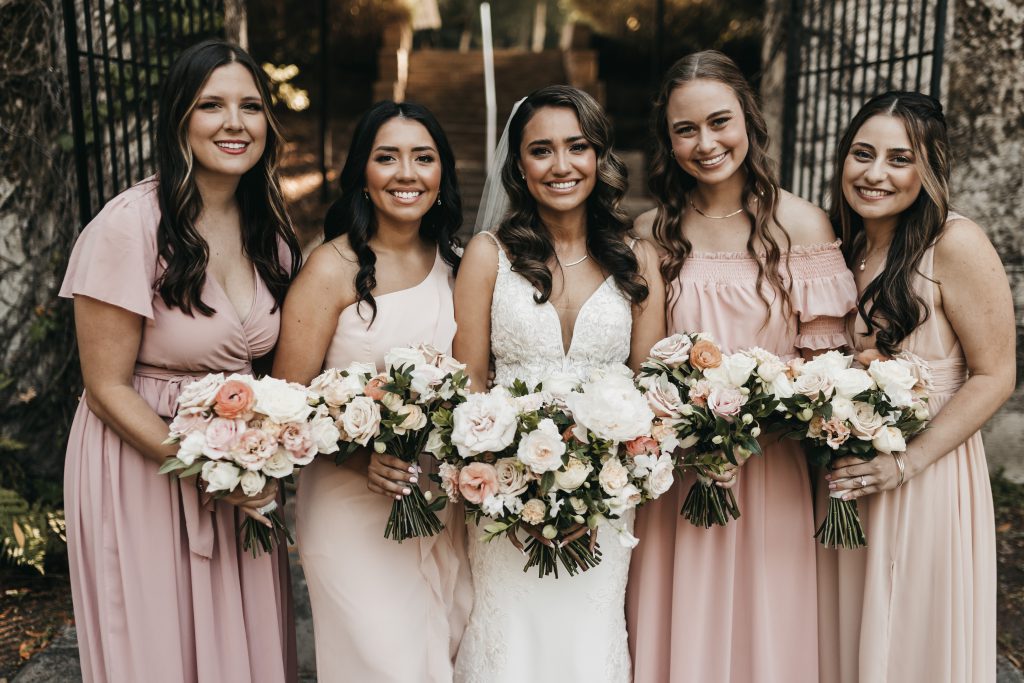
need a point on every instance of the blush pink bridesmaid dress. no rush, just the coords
(162, 589)
(382, 611)
(919, 602)
(736, 604)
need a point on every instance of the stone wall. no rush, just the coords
(983, 94)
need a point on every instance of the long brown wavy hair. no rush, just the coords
(522, 231)
(264, 217)
(889, 305)
(671, 185)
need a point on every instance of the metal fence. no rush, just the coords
(118, 52)
(839, 54)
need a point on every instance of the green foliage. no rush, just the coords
(29, 533)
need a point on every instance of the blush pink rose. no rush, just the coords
(374, 388)
(726, 402)
(234, 400)
(477, 482)
(221, 436)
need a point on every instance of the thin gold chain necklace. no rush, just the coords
(707, 215)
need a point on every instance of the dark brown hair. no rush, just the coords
(264, 217)
(671, 185)
(523, 233)
(889, 305)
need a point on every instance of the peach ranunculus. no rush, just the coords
(705, 354)
(375, 387)
(234, 400)
(478, 481)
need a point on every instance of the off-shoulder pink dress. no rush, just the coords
(382, 610)
(736, 603)
(162, 589)
(919, 602)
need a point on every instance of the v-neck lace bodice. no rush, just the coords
(526, 337)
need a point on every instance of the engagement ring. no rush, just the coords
(863, 482)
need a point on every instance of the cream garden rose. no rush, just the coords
(542, 449)
(484, 423)
(361, 420)
(673, 351)
(573, 475)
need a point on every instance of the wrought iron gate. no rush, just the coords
(118, 52)
(839, 54)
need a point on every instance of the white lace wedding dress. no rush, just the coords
(525, 628)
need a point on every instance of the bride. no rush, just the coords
(558, 288)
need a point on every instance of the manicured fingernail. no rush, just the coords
(406, 491)
(413, 479)
(412, 470)
(833, 487)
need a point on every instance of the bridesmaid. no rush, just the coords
(179, 276)
(753, 266)
(919, 603)
(382, 611)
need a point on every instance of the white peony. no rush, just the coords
(542, 449)
(889, 440)
(673, 351)
(851, 382)
(404, 356)
(361, 420)
(484, 423)
(613, 476)
(896, 380)
(612, 408)
(198, 396)
(560, 384)
(734, 370)
(279, 465)
(191, 447)
(281, 401)
(325, 434)
(220, 475)
(573, 475)
(252, 483)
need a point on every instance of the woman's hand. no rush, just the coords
(390, 476)
(858, 478)
(251, 505)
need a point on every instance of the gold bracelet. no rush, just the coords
(899, 464)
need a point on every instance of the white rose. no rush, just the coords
(542, 449)
(435, 443)
(734, 371)
(896, 380)
(512, 477)
(404, 356)
(627, 498)
(673, 351)
(865, 421)
(889, 440)
(812, 382)
(325, 434)
(427, 380)
(191, 447)
(415, 418)
(361, 420)
(531, 402)
(220, 475)
(768, 364)
(199, 395)
(613, 477)
(560, 384)
(661, 477)
(447, 364)
(726, 402)
(252, 483)
(827, 363)
(663, 397)
(851, 382)
(572, 476)
(335, 388)
(612, 408)
(842, 408)
(534, 511)
(484, 423)
(280, 464)
(781, 386)
(281, 401)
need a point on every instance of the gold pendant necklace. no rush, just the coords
(707, 215)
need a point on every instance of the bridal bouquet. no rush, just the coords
(237, 431)
(713, 402)
(554, 459)
(393, 410)
(839, 410)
